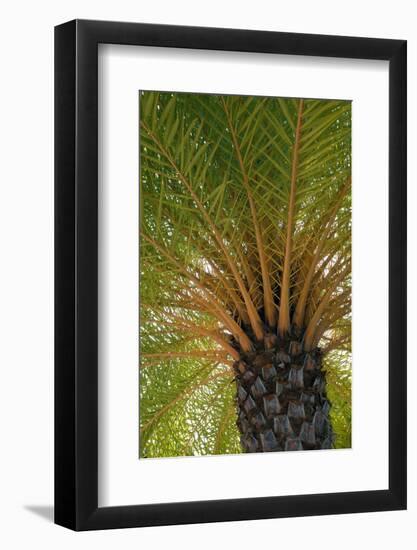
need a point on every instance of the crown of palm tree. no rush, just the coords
(245, 233)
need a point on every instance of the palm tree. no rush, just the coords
(245, 274)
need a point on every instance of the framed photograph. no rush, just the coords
(230, 252)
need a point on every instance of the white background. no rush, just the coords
(26, 301)
(123, 479)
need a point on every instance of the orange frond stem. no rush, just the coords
(284, 308)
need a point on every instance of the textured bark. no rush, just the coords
(281, 398)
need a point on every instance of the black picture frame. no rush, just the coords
(76, 272)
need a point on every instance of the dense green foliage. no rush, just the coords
(234, 193)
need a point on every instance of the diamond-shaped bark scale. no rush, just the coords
(268, 441)
(320, 423)
(241, 394)
(282, 425)
(296, 410)
(271, 405)
(249, 405)
(258, 421)
(258, 388)
(319, 384)
(307, 434)
(307, 398)
(269, 373)
(296, 377)
(326, 407)
(279, 388)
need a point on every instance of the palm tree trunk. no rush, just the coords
(281, 399)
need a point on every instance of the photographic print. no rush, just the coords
(245, 274)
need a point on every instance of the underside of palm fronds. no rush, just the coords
(245, 254)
